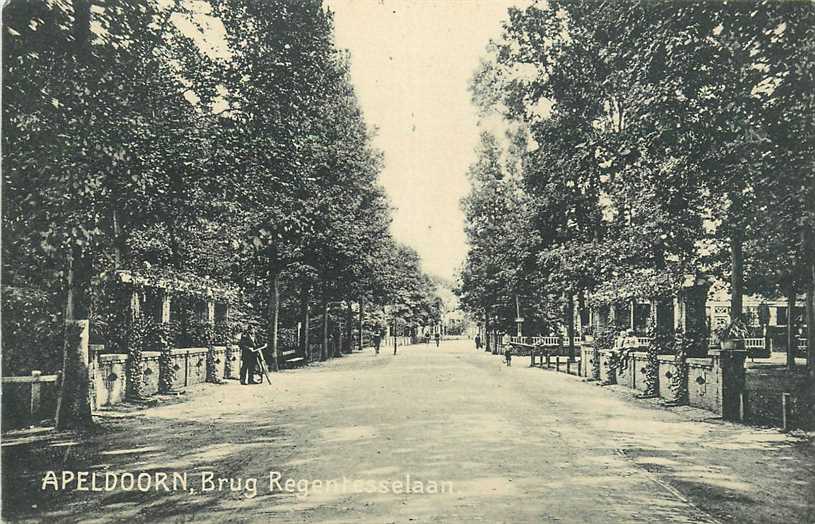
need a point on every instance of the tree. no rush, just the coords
(67, 176)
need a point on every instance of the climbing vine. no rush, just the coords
(224, 336)
(684, 344)
(167, 375)
(604, 341)
(652, 359)
(212, 366)
(140, 338)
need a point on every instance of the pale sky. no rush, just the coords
(411, 64)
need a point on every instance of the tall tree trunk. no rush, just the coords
(117, 241)
(70, 290)
(73, 401)
(810, 312)
(570, 327)
(306, 320)
(81, 28)
(810, 304)
(361, 319)
(324, 348)
(737, 276)
(274, 314)
(808, 243)
(791, 339)
(487, 329)
(174, 245)
(349, 327)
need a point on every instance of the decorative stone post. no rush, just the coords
(167, 371)
(165, 306)
(210, 312)
(135, 303)
(730, 365)
(74, 402)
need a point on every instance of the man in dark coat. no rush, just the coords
(249, 356)
(377, 341)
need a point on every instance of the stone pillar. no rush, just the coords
(730, 366)
(210, 312)
(74, 402)
(165, 307)
(679, 313)
(135, 303)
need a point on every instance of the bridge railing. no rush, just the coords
(544, 341)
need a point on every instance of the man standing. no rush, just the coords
(249, 356)
(438, 338)
(377, 341)
(478, 342)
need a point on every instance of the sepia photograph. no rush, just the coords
(408, 261)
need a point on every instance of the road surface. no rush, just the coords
(473, 440)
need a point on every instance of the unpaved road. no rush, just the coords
(516, 445)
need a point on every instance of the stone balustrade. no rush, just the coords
(110, 376)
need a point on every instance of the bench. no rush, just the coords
(530, 347)
(290, 359)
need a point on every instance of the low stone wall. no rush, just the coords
(667, 370)
(633, 376)
(608, 375)
(718, 383)
(196, 366)
(715, 383)
(233, 356)
(219, 360)
(705, 384)
(151, 372)
(190, 366)
(109, 372)
(588, 354)
(110, 379)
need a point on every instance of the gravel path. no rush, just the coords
(485, 443)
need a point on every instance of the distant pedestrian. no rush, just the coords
(427, 338)
(249, 356)
(477, 342)
(508, 354)
(377, 341)
(438, 339)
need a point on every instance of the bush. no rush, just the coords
(32, 331)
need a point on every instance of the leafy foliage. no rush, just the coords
(659, 143)
(136, 138)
